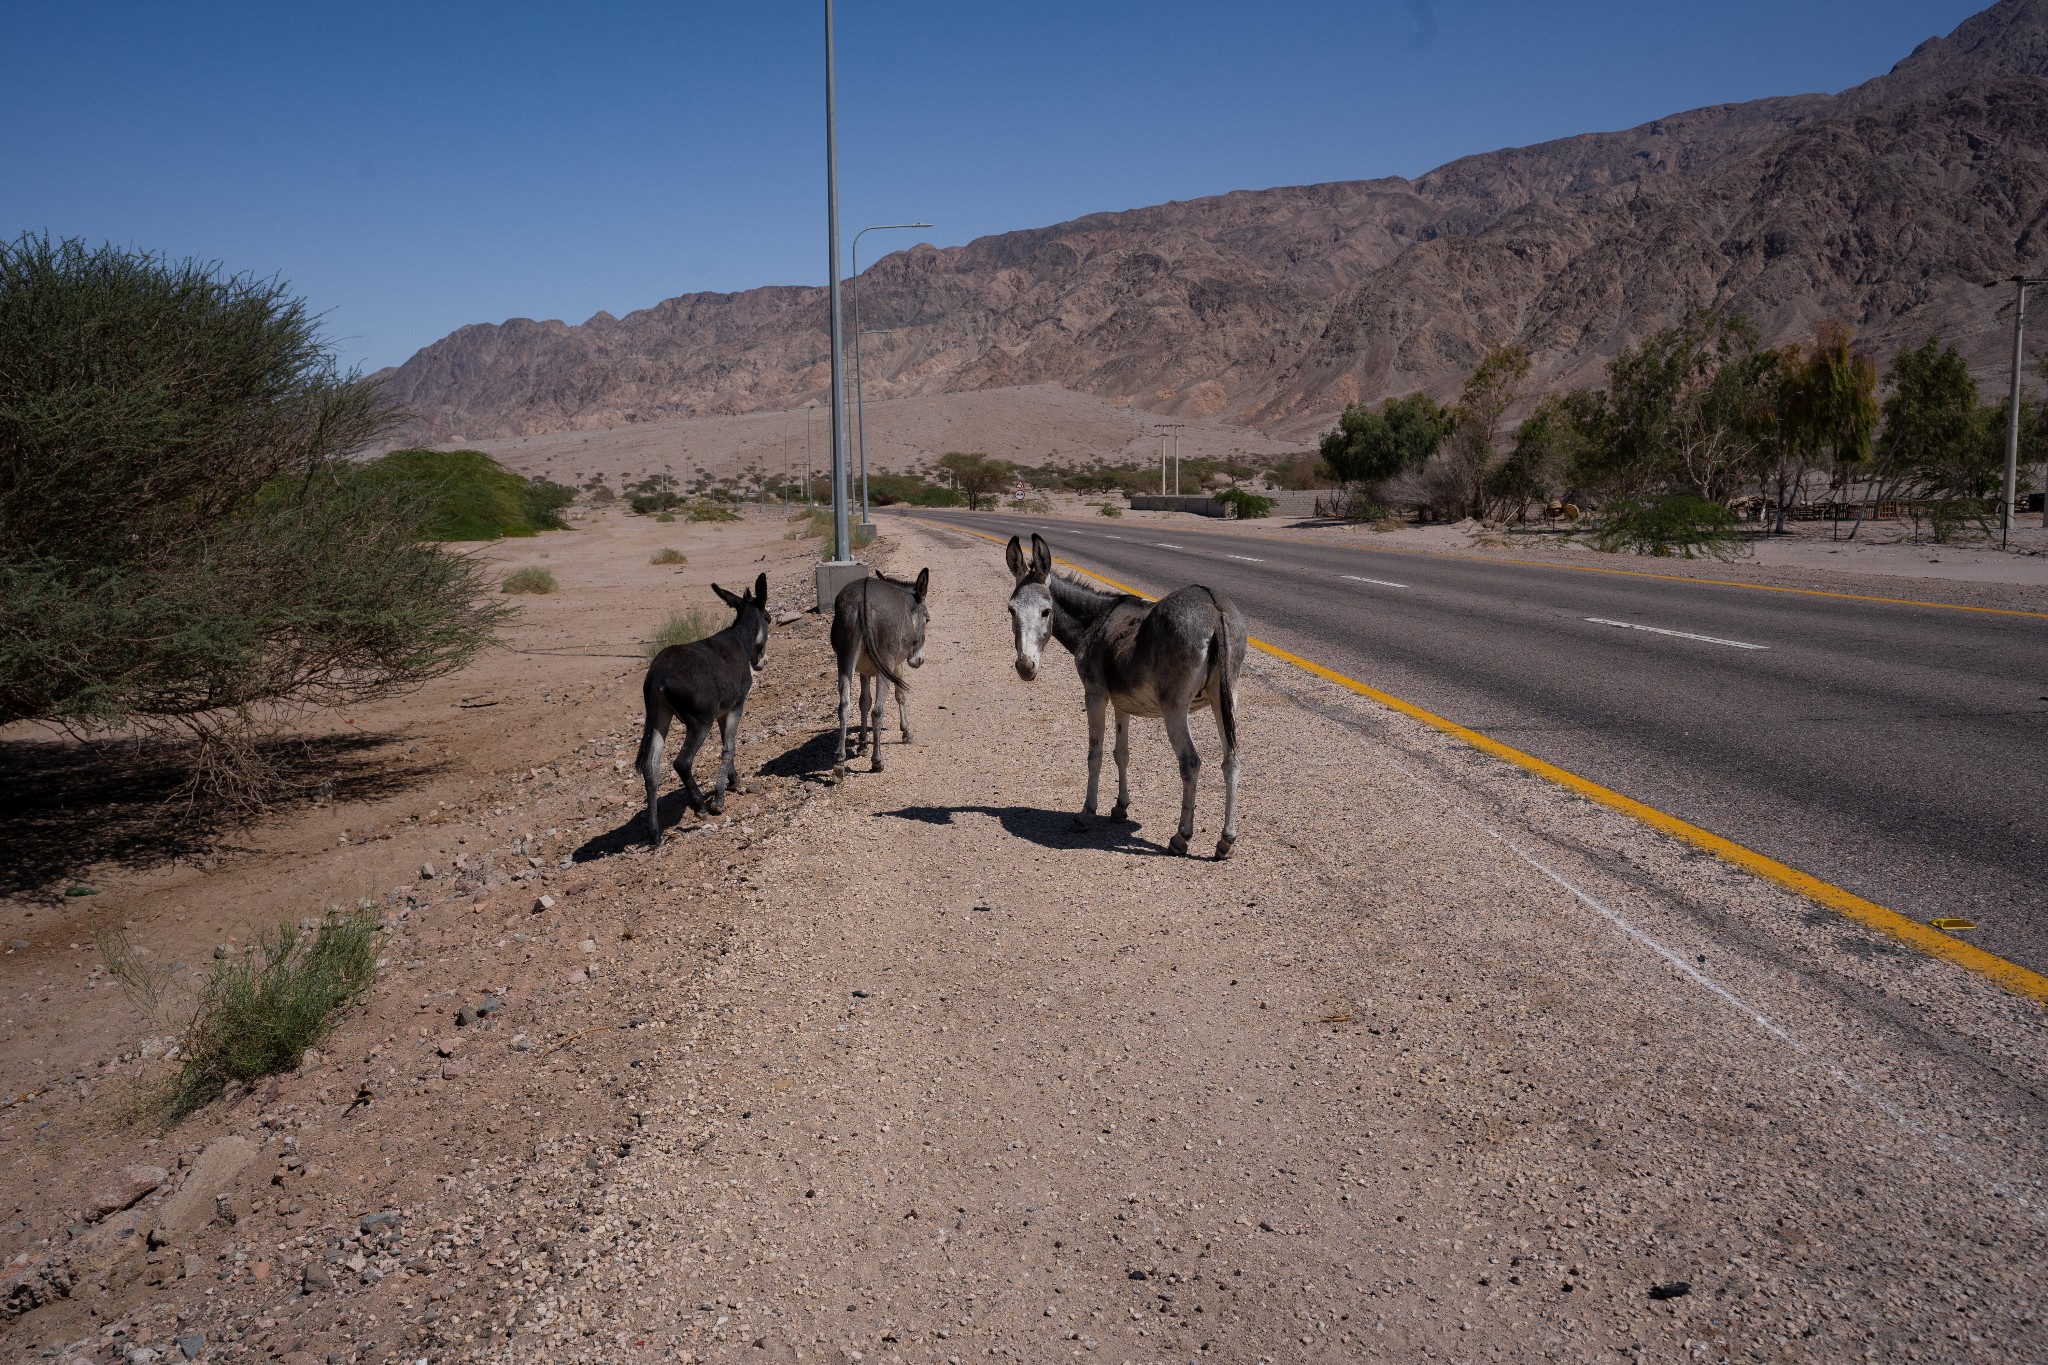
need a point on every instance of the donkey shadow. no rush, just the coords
(810, 761)
(1058, 829)
(630, 835)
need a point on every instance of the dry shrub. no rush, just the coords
(530, 579)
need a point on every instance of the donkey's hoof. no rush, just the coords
(1223, 847)
(1178, 843)
(876, 766)
(715, 807)
(1120, 812)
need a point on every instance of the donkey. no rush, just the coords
(703, 682)
(877, 627)
(1145, 659)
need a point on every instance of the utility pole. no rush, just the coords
(1170, 430)
(842, 568)
(2009, 508)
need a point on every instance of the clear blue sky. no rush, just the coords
(414, 167)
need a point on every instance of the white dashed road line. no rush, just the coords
(1377, 582)
(1246, 558)
(1681, 634)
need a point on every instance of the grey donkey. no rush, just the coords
(1161, 658)
(878, 627)
(703, 683)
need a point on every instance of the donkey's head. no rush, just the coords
(752, 622)
(919, 614)
(1030, 601)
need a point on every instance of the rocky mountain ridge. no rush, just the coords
(1888, 205)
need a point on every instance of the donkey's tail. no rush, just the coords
(867, 638)
(1222, 681)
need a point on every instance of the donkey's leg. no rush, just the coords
(1122, 810)
(867, 711)
(1226, 725)
(903, 712)
(1190, 770)
(649, 762)
(694, 730)
(876, 723)
(727, 779)
(1097, 703)
(845, 688)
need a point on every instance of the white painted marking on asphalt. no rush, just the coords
(1681, 634)
(1166, 545)
(1246, 558)
(1377, 582)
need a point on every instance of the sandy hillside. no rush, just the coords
(916, 1066)
(1036, 424)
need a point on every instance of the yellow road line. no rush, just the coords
(2010, 975)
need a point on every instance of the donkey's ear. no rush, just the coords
(1041, 558)
(923, 585)
(729, 599)
(761, 592)
(1013, 555)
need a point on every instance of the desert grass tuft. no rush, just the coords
(669, 554)
(681, 628)
(530, 580)
(257, 1015)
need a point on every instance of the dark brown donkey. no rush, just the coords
(877, 628)
(1144, 658)
(702, 683)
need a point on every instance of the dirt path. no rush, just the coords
(983, 1084)
(1444, 1064)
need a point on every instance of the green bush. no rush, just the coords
(937, 495)
(1245, 506)
(1679, 523)
(257, 1015)
(530, 580)
(646, 504)
(711, 511)
(184, 548)
(1110, 509)
(467, 495)
(669, 554)
(681, 628)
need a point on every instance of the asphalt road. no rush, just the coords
(1896, 751)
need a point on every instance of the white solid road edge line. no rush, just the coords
(1681, 634)
(1906, 1123)
(1379, 582)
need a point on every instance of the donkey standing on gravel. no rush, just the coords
(703, 682)
(877, 628)
(1145, 659)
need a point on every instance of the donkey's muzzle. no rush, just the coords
(1026, 669)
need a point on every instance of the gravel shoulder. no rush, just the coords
(911, 1066)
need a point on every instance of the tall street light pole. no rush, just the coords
(860, 410)
(831, 575)
(2021, 284)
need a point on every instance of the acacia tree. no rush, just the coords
(1369, 446)
(1831, 405)
(182, 546)
(1475, 422)
(976, 475)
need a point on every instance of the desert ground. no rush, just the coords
(1445, 1063)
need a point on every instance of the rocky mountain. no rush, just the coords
(1889, 205)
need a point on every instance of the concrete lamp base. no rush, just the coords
(834, 574)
